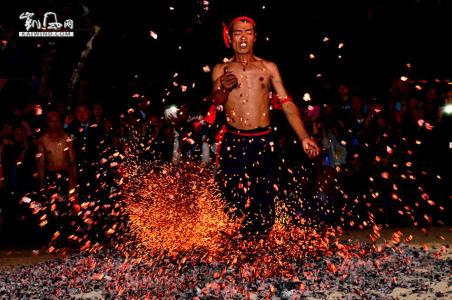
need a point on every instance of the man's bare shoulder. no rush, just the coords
(45, 138)
(220, 66)
(218, 70)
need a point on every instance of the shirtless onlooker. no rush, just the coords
(57, 168)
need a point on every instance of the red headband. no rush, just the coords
(226, 28)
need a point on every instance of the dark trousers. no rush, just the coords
(247, 168)
(59, 207)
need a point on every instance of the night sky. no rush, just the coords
(379, 38)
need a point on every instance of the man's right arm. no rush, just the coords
(219, 93)
(223, 82)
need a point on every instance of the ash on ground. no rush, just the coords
(387, 273)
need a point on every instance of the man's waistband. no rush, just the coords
(249, 132)
(56, 172)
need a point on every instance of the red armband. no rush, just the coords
(277, 102)
(285, 100)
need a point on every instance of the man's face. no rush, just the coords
(7, 129)
(19, 135)
(97, 110)
(357, 103)
(343, 90)
(54, 122)
(448, 97)
(431, 95)
(82, 114)
(243, 37)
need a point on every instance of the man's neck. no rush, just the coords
(55, 134)
(244, 59)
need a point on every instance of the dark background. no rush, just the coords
(380, 38)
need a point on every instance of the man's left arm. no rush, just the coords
(292, 113)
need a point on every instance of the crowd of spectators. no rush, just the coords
(383, 157)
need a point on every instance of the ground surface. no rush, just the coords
(414, 271)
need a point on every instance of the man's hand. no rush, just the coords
(228, 80)
(310, 147)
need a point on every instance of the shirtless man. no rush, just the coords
(57, 158)
(247, 156)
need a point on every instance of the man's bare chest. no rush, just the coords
(55, 146)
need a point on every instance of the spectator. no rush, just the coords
(88, 143)
(58, 179)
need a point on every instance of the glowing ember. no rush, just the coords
(176, 210)
(153, 35)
